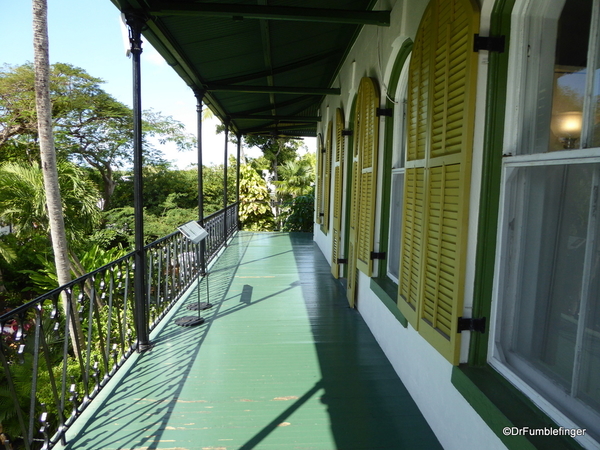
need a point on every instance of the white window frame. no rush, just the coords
(533, 32)
(398, 159)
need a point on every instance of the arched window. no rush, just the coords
(546, 332)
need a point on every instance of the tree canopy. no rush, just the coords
(91, 127)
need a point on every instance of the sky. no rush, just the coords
(89, 34)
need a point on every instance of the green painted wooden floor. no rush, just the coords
(281, 363)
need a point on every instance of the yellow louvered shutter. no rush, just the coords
(412, 239)
(440, 126)
(337, 191)
(319, 184)
(352, 276)
(364, 183)
(368, 143)
(327, 177)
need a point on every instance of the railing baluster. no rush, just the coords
(55, 397)
(111, 275)
(159, 297)
(34, 377)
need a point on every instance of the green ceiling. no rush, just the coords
(264, 65)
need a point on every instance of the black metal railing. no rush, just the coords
(59, 350)
(221, 223)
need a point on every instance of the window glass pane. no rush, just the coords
(551, 326)
(395, 224)
(570, 71)
(399, 133)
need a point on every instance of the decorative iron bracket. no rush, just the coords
(347, 133)
(489, 43)
(342, 261)
(471, 324)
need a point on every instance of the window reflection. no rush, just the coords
(570, 70)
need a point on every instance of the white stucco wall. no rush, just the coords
(427, 376)
(425, 373)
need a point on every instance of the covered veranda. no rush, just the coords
(281, 362)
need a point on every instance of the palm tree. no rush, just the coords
(295, 178)
(48, 154)
(23, 199)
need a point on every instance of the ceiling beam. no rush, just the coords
(281, 69)
(280, 127)
(380, 18)
(295, 119)
(272, 89)
(293, 101)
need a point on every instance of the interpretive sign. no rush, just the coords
(193, 231)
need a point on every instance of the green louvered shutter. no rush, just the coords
(433, 260)
(337, 191)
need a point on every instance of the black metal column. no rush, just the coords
(135, 22)
(237, 177)
(200, 97)
(225, 179)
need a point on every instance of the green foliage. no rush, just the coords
(119, 228)
(162, 181)
(44, 278)
(27, 251)
(276, 150)
(254, 210)
(298, 215)
(23, 199)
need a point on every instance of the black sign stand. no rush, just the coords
(195, 233)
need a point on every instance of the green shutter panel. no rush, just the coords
(448, 107)
(369, 141)
(337, 191)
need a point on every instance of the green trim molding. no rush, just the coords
(501, 405)
(492, 396)
(485, 258)
(388, 152)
